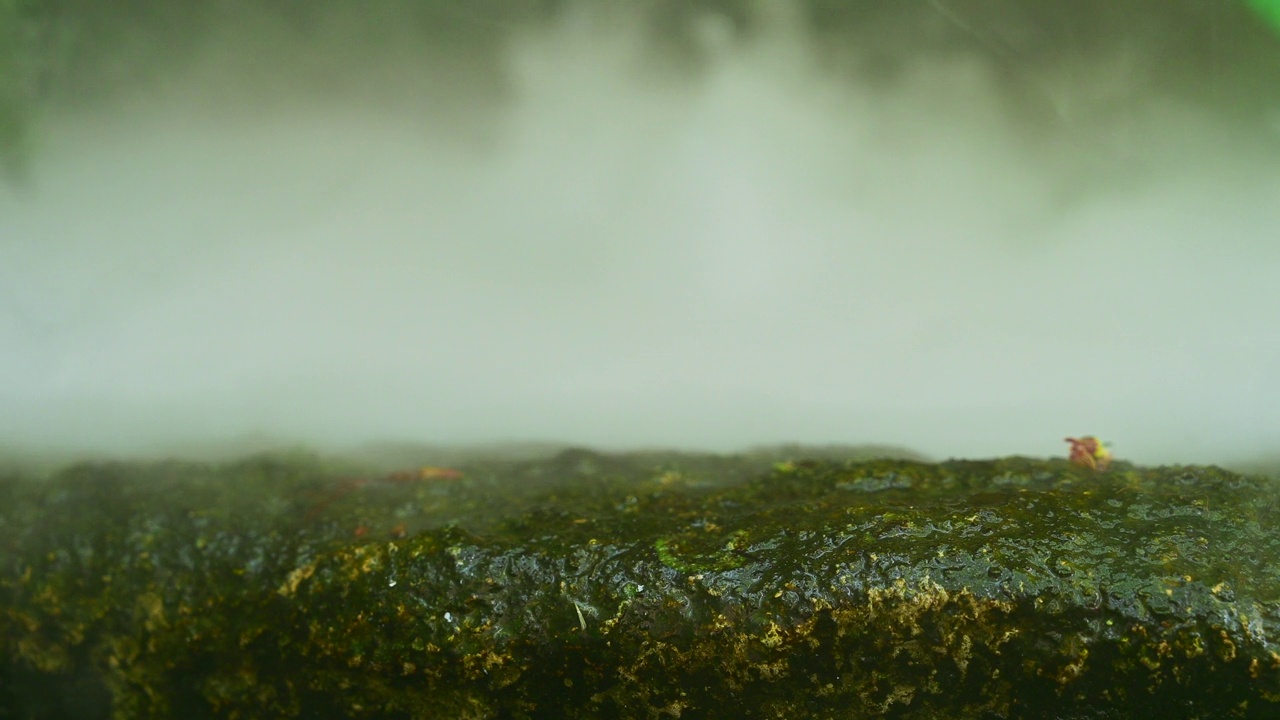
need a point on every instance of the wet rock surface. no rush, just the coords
(648, 585)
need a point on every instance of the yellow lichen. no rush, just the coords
(295, 578)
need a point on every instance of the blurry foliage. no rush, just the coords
(13, 103)
(1269, 9)
(59, 53)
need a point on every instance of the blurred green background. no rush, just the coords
(56, 54)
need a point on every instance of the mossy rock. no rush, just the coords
(649, 585)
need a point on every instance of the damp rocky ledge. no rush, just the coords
(647, 585)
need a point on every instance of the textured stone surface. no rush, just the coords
(640, 586)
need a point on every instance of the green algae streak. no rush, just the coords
(640, 586)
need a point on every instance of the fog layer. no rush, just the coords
(583, 235)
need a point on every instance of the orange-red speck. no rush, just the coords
(1089, 452)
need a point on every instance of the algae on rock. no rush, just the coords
(640, 586)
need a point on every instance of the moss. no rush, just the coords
(649, 585)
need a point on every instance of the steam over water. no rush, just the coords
(593, 228)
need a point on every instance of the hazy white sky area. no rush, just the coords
(608, 253)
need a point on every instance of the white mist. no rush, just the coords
(601, 250)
